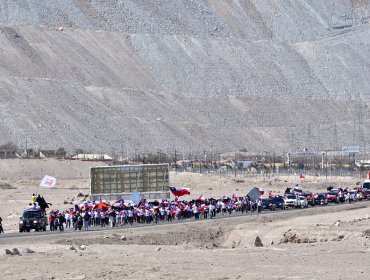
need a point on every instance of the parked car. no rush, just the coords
(365, 194)
(310, 198)
(332, 196)
(320, 199)
(278, 201)
(291, 200)
(266, 204)
(302, 202)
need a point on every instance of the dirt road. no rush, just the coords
(303, 244)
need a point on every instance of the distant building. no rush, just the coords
(8, 154)
(363, 163)
(48, 154)
(92, 157)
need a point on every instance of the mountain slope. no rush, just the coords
(185, 75)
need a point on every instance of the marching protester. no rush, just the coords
(51, 221)
(101, 213)
(67, 217)
(86, 219)
(122, 214)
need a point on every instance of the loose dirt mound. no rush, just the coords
(366, 233)
(292, 236)
(6, 186)
(205, 238)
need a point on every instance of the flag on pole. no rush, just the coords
(179, 191)
(48, 182)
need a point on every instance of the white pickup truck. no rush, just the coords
(302, 202)
(297, 201)
(291, 200)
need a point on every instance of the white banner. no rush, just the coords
(48, 181)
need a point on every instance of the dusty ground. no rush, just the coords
(303, 244)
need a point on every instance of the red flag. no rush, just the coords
(179, 191)
(301, 176)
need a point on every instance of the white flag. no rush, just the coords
(48, 182)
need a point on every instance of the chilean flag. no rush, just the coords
(179, 191)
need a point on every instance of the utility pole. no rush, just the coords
(175, 160)
(326, 167)
(26, 150)
(121, 153)
(322, 162)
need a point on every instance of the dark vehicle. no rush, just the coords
(366, 185)
(273, 203)
(33, 219)
(266, 204)
(310, 198)
(320, 199)
(278, 202)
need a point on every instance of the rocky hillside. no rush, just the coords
(187, 75)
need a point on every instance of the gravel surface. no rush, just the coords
(185, 75)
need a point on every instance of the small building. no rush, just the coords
(93, 157)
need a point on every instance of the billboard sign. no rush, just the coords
(123, 181)
(254, 194)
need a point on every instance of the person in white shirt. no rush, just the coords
(196, 212)
(67, 217)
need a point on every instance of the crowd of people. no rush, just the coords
(121, 214)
